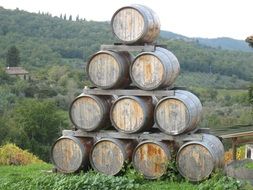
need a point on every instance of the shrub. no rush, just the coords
(239, 154)
(220, 182)
(10, 154)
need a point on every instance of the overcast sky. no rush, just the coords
(192, 18)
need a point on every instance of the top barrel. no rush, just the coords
(135, 24)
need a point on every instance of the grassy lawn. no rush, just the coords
(36, 176)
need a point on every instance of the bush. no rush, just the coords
(10, 154)
(240, 154)
(220, 182)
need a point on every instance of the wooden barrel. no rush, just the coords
(70, 154)
(154, 70)
(90, 113)
(108, 155)
(179, 113)
(131, 114)
(135, 24)
(151, 158)
(109, 69)
(197, 159)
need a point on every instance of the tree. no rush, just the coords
(70, 18)
(40, 123)
(77, 18)
(13, 57)
(251, 94)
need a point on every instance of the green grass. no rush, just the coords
(249, 165)
(19, 177)
(37, 177)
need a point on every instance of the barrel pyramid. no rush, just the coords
(133, 113)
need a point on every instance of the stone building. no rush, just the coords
(18, 72)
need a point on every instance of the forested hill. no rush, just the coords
(220, 43)
(44, 40)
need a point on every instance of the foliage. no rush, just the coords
(240, 154)
(88, 180)
(46, 41)
(4, 77)
(38, 180)
(35, 177)
(55, 52)
(172, 174)
(249, 165)
(251, 94)
(13, 57)
(40, 122)
(34, 125)
(220, 182)
(10, 154)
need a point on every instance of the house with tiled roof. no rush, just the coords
(17, 72)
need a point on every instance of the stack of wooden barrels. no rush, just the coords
(134, 114)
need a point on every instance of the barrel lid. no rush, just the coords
(195, 161)
(145, 74)
(120, 115)
(151, 158)
(67, 154)
(140, 24)
(108, 156)
(98, 73)
(83, 109)
(175, 119)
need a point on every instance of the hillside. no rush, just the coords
(54, 51)
(44, 41)
(219, 43)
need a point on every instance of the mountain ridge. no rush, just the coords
(225, 43)
(44, 41)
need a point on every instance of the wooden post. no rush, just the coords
(234, 148)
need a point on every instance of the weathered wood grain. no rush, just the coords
(109, 155)
(179, 113)
(129, 48)
(89, 112)
(156, 136)
(151, 158)
(70, 154)
(154, 70)
(197, 159)
(135, 24)
(108, 69)
(130, 114)
(129, 92)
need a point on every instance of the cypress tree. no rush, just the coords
(13, 57)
